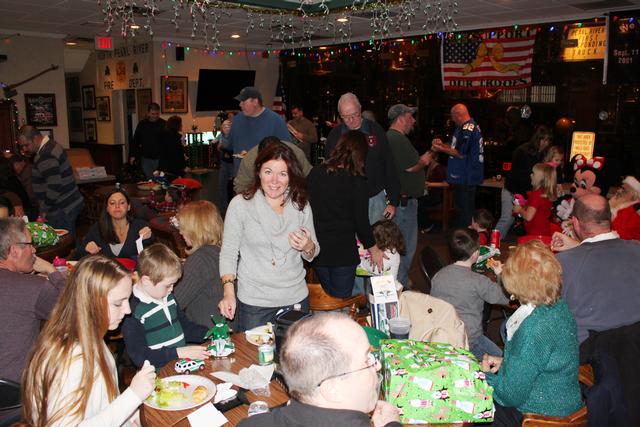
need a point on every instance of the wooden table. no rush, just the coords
(61, 249)
(246, 354)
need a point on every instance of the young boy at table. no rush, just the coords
(157, 329)
(482, 221)
(467, 291)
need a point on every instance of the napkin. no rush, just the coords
(139, 245)
(207, 416)
(250, 378)
(224, 392)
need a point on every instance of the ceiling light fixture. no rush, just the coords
(70, 43)
(135, 27)
(342, 19)
(235, 36)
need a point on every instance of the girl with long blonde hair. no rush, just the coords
(537, 213)
(71, 376)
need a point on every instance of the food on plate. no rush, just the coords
(254, 336)
(169, 393)
(199, 394)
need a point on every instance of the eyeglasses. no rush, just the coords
(371, 362)
(353, 116)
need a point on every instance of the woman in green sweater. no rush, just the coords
(539, 371)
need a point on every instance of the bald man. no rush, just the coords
(466, 162)
(600, 274)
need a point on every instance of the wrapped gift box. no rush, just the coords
(434, 383)
(91, 172)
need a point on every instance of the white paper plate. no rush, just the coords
(254, 336)
(193, 381)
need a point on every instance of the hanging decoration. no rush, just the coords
(292, 27)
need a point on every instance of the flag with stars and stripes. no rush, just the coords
(279, 105)
(501, 60)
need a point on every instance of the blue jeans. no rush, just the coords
(484, 345)
(148, 166)
(506, 218)
(337, 281)
(465, 200)
(407, 220)
(67, 221)
(250, 316)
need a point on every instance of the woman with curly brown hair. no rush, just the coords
(268, 232)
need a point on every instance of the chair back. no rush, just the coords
(169, 236)
(430, 264)
(319, 300)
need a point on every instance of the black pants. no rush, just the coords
(465, 200)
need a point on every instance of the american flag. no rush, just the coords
(502, 61)
(279, 105)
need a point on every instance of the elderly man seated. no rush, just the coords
(332, 377)
(600, 273)
(25, 299)
(625, 209)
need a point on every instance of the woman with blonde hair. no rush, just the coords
(200, 290)
(71, 377)
(539, 371)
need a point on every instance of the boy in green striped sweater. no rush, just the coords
(157, 329)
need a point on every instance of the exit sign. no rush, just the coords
(104, 43)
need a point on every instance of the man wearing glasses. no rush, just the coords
(380, 167)
(332, 377)
(26, 299)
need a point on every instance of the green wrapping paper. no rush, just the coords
(434, 383)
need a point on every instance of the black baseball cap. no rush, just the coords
(248, 92)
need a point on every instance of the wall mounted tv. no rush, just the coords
(216, 88)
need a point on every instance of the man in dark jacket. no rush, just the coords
(318, 354)
(146, 141)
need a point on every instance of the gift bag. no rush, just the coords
(434, 383)
(42, 234)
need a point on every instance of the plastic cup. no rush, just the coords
(399, 327)
(258, 407)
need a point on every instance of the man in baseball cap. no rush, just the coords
(251, 126)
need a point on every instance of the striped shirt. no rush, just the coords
(53, 183)
(160, 322)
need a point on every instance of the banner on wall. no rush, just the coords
(624, 48)
(126, 67)
(502, 60)
(585, 43)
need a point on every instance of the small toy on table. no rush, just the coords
(187, 365)
(221, 345)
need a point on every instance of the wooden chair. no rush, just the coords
(577, 419)
(430, 264)
(319, 300)
(446, 210)
(169, 236)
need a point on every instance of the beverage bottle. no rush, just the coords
(60, 264)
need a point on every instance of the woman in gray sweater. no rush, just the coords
(268, 232)
(199, 291)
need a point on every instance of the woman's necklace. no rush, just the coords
(121, 231)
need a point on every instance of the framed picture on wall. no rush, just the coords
(143, 99)
(89, 97)
(90, 130)
(41, 109)
(174, 94)
(103, 108)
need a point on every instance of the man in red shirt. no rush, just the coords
(625, 209)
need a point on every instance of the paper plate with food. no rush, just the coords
(181, 392)
(148, 185)
(256, 335)
(61, 232)
(240, 155)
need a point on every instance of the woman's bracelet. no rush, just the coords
(228, 282)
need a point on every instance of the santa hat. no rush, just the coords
(633, 183)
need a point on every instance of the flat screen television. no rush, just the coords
(216, 88)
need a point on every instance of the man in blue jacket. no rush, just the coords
(466, 162)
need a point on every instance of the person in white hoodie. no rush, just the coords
(71, 376)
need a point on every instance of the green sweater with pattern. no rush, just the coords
(539, 373)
